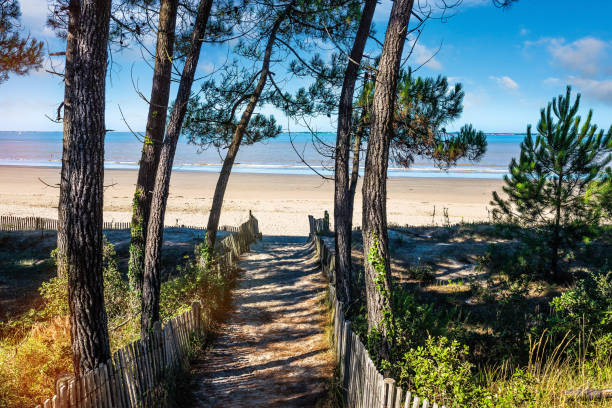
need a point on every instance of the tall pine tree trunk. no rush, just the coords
(375, 239)
(355, 168)
(343, 222)
(155, 229)
(556, 232)
(79, 233)
(228, 162)
(154, 135)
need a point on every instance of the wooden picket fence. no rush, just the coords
(10, 223)
(139, 374)
(318, 226)
(364, 386)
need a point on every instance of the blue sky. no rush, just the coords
(511, 63)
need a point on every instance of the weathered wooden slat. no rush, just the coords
(130, 378)
(364, 385)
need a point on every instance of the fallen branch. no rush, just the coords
(589, 394)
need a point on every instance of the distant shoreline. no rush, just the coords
(418, 170)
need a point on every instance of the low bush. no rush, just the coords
(585, 309)
(441, 371)
(517, 391)
(423, 273)
(194, 283)
(517, 261)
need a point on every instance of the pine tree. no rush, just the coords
(79, 233)
(155, 228)
(282, 29)
(546, 187)
(424, 106)
(343, 208)
(151, 148)
(17, 55)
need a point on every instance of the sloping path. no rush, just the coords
(272, 350)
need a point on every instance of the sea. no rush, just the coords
(289, 153)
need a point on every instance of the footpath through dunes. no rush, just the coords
(272, 350)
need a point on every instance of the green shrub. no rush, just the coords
(518, 261)
(586, 308)
(423, 273)
(518, 391)
(194, 283)
(440, 371)
(117, 295)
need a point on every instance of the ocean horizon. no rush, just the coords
(275, 156)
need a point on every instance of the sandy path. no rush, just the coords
(272, 351)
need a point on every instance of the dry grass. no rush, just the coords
(32, 364)
(552, 376)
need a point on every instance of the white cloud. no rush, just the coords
(586, 55)
(600, 90)
(587, 61)
(35, 9)
(525, 31)
(421, 55)
(475, 99)
(505, 82)
(551, 81)
(207, 67)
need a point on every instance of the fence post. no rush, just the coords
(196, 306)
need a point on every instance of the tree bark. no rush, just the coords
(228, 162)
(355, 168)
(375, 239)
(154, 134)
(556, 233)
(343, 222)
(79, 234)
(155, 229)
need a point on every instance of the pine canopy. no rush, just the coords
(548, 189)
(17, 55)
(555, 168)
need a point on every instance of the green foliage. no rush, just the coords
(440, 370)
(424, 273)
(37, 346)
(205, 253)
(518, 391)
(380, 280)
(518, 262)
(54, 293)
(414, 320)
(117, 295)
(17, 55)
(547, 186)
(513, 322)
(587, 308)
(599, 196)
(211, 119)
(212, 114)
(137, 244)
(194, 283)
(423, 107)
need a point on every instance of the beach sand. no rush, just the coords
(280, 202)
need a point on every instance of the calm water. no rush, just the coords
(122, 151)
